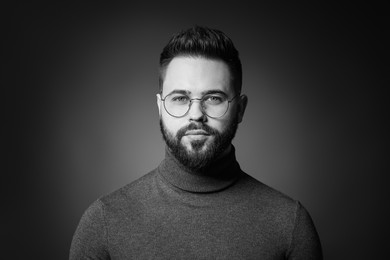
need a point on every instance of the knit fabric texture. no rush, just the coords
(172, 213)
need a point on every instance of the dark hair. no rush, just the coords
(203, 42)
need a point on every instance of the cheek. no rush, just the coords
(223, 123)
(218, 124)
(171, 124)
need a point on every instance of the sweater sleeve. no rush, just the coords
(90, 238)
(305, 242)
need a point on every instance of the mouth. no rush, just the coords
(196, 132)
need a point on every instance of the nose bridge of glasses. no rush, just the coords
(200, 101)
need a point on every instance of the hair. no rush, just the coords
(206, 43)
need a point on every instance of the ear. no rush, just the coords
(243, 101)
(158, 96)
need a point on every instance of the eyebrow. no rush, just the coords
(187, 92)
(179, 91)
(213, 91)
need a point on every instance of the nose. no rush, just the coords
(196, 112)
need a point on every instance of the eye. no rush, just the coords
(179, 99)
(214, 99)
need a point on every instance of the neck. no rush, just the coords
(219, 175)
(226, 152)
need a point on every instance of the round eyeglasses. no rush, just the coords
(213, 105)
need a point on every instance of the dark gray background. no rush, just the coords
(84, 119)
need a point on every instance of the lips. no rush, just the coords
(196, 132)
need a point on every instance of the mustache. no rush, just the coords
(196, 126)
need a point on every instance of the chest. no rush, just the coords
(196, 232)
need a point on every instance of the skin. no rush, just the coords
(198, 76)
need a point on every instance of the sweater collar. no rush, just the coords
(220, 175)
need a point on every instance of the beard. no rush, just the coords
(203, 153)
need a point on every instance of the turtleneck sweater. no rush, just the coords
(175, 213)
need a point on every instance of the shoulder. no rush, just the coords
(268, 200)
(282, 213)
(264, 192)
(138, 190)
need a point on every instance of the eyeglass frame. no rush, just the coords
(200, 100)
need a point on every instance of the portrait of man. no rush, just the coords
(195, 130)
(198, 203)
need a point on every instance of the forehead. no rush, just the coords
(197, 75)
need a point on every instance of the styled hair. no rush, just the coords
(206, 43)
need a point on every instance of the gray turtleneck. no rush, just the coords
(171, 213)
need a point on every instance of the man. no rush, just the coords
(197, 204)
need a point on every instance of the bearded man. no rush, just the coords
(198, 203)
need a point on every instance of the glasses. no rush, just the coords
(213, 105)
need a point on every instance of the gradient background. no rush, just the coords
(84, 120)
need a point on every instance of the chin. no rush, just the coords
(197, 146)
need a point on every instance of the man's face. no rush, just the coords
(196, 139)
